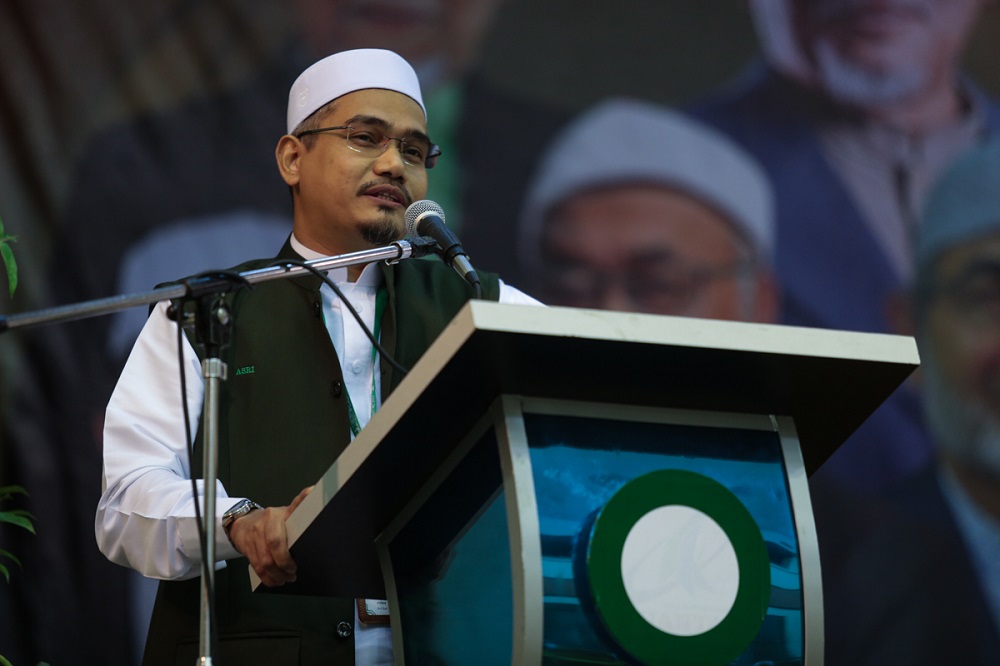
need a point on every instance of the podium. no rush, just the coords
(565, 486)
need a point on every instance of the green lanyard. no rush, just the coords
(381, 298)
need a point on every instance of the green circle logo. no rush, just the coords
(678, 570)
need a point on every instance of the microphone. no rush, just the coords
(426, 218)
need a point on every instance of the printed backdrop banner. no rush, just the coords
(136, 146)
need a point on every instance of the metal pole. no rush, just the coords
(214, 370)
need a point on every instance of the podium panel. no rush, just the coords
(451, 584)
(614, 534)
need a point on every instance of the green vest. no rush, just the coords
(283, 421)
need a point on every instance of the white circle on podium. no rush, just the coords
(680, 570)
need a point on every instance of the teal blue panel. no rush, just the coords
(453, 573)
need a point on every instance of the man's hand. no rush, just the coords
(260, 537)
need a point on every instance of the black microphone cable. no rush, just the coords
(357, 317)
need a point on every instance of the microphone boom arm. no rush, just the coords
(393, 253)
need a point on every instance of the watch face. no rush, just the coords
(242, 508)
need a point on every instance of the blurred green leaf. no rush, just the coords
(8, 259)
(6, 492)
(18, 517)
(4, 571)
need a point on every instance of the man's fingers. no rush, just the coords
(298, 500)
(262, 539)
(277, 543)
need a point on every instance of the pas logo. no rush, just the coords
(678, 570)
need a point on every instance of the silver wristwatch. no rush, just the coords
(240, 509)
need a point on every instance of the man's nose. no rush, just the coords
(615, 296)
(390, 161)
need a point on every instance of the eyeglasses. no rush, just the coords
(974, 293)
(663, 287)
(372, 142)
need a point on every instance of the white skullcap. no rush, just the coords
(963, 205)
(622, 141)
(347, 72)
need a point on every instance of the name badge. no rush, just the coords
(373, 611)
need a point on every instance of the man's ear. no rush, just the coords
(288, 154)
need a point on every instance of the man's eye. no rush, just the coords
(977, 295)
(366, 138)
(981, 297)
(416, 152)
(664, 279)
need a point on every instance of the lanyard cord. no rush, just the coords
(381, 298)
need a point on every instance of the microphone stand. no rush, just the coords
(212, 322)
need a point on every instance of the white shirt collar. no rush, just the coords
(370, 276)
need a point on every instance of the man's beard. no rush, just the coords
(850, 83)
(379, 232)
(964, 429)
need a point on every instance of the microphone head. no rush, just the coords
(416, 209)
